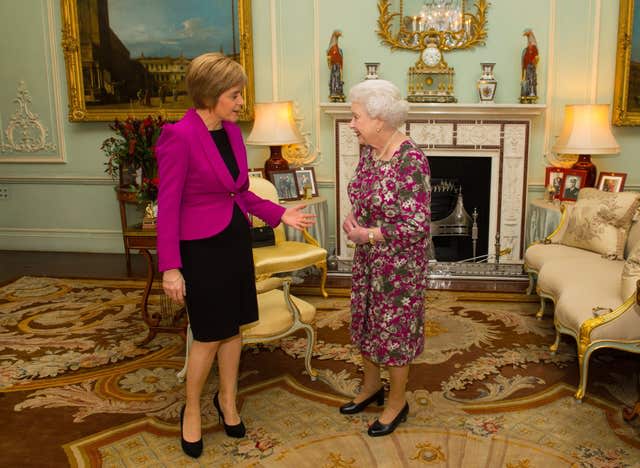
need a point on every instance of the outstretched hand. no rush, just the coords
(298, 219)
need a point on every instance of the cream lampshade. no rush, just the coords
(586, 130)
(274, 127)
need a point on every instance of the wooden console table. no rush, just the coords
(144, 240)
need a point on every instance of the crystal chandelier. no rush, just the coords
(441, 15)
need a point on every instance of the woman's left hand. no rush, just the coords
(297, 219)
(359, 235)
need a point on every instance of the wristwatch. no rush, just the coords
(372, 239)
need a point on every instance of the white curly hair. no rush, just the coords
(382, 100)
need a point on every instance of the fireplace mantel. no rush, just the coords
(340, 110)
(498, 131)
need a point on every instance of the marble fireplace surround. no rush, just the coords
(498, 131)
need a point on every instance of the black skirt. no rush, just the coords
(220, 281)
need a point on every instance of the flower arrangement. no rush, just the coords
(132, 152)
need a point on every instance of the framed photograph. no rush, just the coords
(553, 177)
(256, 172)
(125, 58)
(286, 184)
(306, 177)
(611, 181)
(572, 182)
(626, 90)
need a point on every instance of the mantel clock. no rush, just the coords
(431, 79)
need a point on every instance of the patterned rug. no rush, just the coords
(77, 389)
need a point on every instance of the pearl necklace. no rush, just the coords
(378, 155)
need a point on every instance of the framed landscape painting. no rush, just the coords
(129, 58)
(626, 94)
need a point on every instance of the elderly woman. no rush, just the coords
(204, 240)
(389, 223)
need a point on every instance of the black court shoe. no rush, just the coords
(353, 408)
(378, 429)
(193, 449)
(238, 431)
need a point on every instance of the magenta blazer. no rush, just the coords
(196, 191)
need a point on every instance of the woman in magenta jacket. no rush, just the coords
(204, 240)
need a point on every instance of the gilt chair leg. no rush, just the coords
(554, 347)
(540, 312)
(583, 362)
(532, 283)
(311, 341)
(183, 373)
(323, 279)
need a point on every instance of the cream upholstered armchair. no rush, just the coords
(589, 268)
(280, 315)
(286, 256)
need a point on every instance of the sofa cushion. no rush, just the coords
(631, 273)
(633, 239)
(559, 276)
(538, 254)
(600, 221)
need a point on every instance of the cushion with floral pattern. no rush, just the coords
(631, 273)
(600, 221)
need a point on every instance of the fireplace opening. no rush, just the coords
(459, 182)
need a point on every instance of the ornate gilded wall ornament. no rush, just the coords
(300, 154)
(25, 132)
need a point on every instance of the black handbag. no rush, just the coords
(262, 236)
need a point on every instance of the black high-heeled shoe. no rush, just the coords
(378, 429)
(353, 408)
(238, 430)
(193, 449)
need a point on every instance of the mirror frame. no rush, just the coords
(386, 17)
(80, 112)
(622, 115)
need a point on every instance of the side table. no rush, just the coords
(542, 218)
(318, 207)
(144, 240)
(124, 197)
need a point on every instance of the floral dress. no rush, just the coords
(390, 278)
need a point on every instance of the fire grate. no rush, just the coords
(462, 270)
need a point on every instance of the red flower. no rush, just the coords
(134, 147)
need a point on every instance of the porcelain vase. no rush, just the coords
(487, 84)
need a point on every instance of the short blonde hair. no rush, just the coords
(209, 75)
(382, 100)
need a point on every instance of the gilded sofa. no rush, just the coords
(589, 267)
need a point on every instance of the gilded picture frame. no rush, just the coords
(626, 94)
(106, 80)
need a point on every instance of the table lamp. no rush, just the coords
(274, 127)
(586, 131)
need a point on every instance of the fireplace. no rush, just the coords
(495, 137)
(467, 179)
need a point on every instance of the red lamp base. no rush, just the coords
(275, 162)
(584, 163)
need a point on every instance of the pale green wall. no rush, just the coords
(69, 205)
